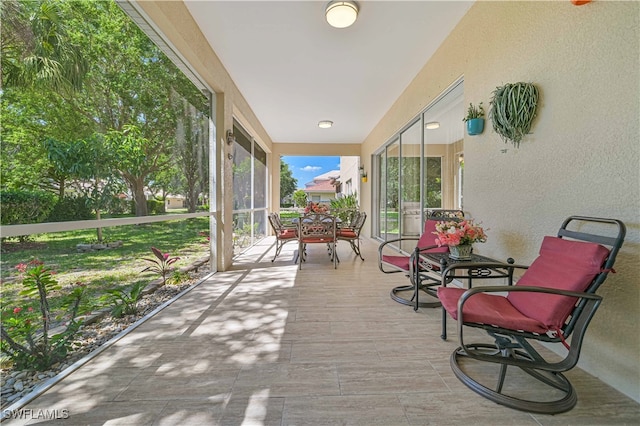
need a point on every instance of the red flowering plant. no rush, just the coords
(454, 233)
(161, 264)
(37, 340)
(316, 208)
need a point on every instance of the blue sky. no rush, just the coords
(304, 169)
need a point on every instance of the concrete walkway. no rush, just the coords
(266, 344)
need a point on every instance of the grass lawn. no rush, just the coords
(106, 269)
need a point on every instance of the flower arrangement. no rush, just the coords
(452, 233)
(316, 208)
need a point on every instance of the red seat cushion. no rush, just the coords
(427, 239)
(400, 262)
(311, 240)
(288, 234)
(347, 233)
(485, 308)
(562, 264)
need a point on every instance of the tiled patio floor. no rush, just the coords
(267, 344)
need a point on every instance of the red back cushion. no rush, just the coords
(428, 238)
(562, 264)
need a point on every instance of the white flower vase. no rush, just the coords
(461, 252)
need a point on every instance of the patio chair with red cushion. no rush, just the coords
(552, 302)
(392, 261)
(351, 232)
(283, 233)
(317, 228)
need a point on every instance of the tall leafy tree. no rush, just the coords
(136, 161)
(288, 183)
(129, 96)
(192, 150)
(97, 181)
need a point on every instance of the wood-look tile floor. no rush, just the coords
(268, 344)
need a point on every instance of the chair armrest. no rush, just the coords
(395, 240)
(382, 246)
(583, 317)
(531, 289)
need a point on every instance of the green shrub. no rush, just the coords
(117, 206)
(123, 302)
(345, 207)
(21, 207)
(178, 277)
(71, 208)
(153, 207)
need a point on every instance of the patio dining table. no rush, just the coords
(317, 228)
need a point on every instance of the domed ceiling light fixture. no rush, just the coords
(341, 14)
(325, 124)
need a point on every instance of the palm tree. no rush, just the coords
(36, 47)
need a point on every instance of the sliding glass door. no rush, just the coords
(420, 169)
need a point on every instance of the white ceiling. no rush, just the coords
(295, 70)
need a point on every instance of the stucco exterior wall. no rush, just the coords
(583, 156)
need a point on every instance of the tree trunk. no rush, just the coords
(61, 189)
(98, 230)
(137, 189)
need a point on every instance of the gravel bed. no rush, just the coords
(15, 384)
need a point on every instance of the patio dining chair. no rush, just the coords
(283, 233)
(553, 302)
(351, 232)
(391, 261)
(317, 228)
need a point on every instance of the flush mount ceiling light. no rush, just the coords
(341, 14)
(432, 125)
(325, 124)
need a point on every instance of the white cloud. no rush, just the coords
(310, 168)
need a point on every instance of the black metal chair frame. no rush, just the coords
(279, 228)
(355, 227)
(514, 348)
(420, 278)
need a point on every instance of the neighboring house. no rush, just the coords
(173, 201)
(350, 175)
(323, 188)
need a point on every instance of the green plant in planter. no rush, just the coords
(513, 108)
(474, 112)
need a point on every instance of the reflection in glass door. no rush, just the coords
(391, 204)
(420, 169)
(411, 144)
(443, 145)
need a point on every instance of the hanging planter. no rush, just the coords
(513, 108)
(474, 119)
(475, 126)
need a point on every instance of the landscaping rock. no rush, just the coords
(96, 330)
